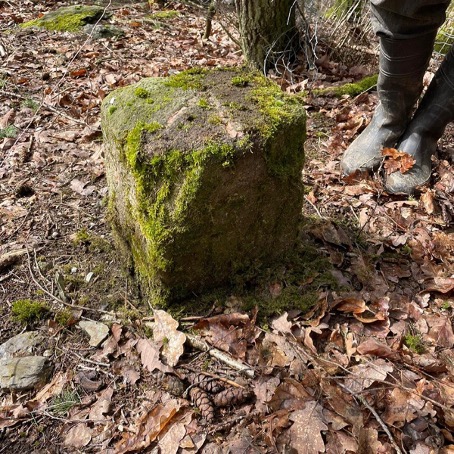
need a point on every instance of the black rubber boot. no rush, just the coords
(402, 64)
(429, 122)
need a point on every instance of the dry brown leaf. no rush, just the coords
(131, 376)
(170, 442)
(282, 324)
(78, 436)
(356, 177)
(116, 331)
(264, 389)
(440, 330)
(401, 407)
(149, 426)
(373, 346)
(340, 443)
(165, 332)
(52, 389)
(427, 199)
(353, 305)
(149, 355)
(305, 436)
(362, 376)
(7, 119)
(440, 284)
(101, 407)
(397, 161)
(290, 395)
(228, 332)
(276, 348)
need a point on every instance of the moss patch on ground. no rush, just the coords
(29, 311)
(351, 89)
(68, 19)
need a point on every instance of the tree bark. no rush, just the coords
(268, 32)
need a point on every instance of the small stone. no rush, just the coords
(22, 343)
(103, 31)
(89, 276)
(97, 331)
(24, 373)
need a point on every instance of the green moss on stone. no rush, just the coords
(141, 92)
(280, 111)
(189, 79)
(9, 131)
(203, 103)
(166, 178)
(70, 19)
(215, 120)
(240, 81)
(112, 109)
(414, 343)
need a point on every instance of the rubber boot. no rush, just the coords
(429, 122)
(402, 65)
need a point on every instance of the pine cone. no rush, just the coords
(206, 383)
(232, 396)
(201, 400)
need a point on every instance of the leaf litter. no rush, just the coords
(368, 369)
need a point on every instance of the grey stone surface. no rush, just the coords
(22, 343)
(103, 31)
(96, 330)
(24, 373)
(204, 175)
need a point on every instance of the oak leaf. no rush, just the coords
(397, 161)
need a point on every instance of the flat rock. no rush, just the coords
(24, 373)
(96, 330)
(22, 343)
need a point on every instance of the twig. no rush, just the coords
(96, 363)
(46, 106)
(376, 415)
(56, 298)
(199, 344)
(314, 207)
(215, 377)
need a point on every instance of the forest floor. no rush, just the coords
(369, 370)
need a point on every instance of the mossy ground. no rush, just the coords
(351, 89)
(28, 311)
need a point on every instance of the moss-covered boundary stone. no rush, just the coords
(68, 18)
(204, 177)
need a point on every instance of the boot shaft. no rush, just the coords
(402, 65)
(436, 109)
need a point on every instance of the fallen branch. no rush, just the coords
(199, 344)
(376, 416)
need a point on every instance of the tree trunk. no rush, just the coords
(268, 32)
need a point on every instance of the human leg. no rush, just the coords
(425, 129)
(407, 31)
